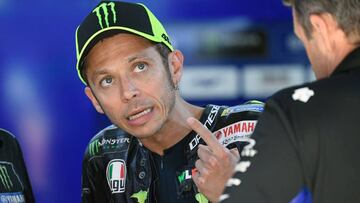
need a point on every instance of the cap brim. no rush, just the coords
(101, 34)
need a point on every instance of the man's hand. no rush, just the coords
(216, 163)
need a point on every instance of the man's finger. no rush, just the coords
(204, 152)
(235, 152)
(207, 156)
(202, 169)
(206, 135)
(197, 180)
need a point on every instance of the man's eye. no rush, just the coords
(140, 67)
(106, 81)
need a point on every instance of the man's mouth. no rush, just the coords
(141, 113)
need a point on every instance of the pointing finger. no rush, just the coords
(206, 135)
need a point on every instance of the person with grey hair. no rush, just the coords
(306, 143)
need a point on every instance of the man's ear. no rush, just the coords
(93, 100)
(176, 62)
(324, 26)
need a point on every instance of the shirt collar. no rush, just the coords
(351, 62)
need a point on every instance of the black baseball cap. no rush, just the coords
(115, 16)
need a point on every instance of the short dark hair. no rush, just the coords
(163, 50)
(345, 12)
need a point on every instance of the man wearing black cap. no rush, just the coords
(150, 154)
(14, 181)
(307, 139)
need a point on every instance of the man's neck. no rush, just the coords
(341, 47)
(174, 129)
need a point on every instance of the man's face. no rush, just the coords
(314, 47)
(129, 83)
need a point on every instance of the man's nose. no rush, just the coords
(128, 89)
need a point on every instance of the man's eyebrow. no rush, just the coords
(140, 55)
(133, 58)
(100, 71)
(97, 72)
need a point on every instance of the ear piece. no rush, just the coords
(177, 87)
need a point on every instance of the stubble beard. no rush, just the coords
(167, 114)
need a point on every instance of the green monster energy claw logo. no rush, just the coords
(94, 147)
(5, 178)
(104, 8)
(141, 196)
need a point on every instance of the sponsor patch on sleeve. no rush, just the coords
(242, 108)
(235, 132)
(14, 197)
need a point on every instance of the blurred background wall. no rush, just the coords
(234, 50)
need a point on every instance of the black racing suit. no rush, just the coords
(117, 168)
(14, 181)
(307, 144)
